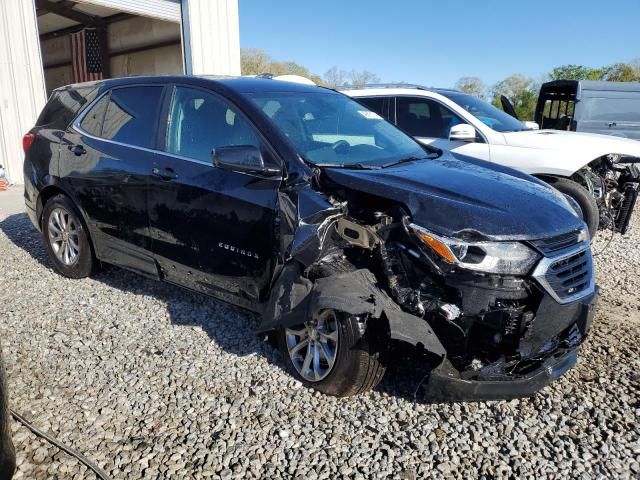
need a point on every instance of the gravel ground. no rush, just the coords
(152, 381)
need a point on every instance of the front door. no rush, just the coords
(212, 229)
(430, 122)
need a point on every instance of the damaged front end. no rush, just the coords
(497, 320)
(613, 181)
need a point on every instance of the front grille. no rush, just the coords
(567, 278)
(571, 275)
(552, 246)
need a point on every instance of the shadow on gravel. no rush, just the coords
(230, 327)
(19, 230)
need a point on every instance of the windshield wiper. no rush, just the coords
(405, 160)
(351, 166)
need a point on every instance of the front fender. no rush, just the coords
(295, 299)
(540, 161)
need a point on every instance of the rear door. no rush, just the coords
(212, 229)
(106, 159)
(430, 122)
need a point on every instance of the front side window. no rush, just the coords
(485, 112)
(132, 115)
(332, 129)
(422, 117)
(200, 122)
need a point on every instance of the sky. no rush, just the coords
(437, 42)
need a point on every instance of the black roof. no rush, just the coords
(237, 84)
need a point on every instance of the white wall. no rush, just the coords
(211, 37)
(211, 40)
(22, 93)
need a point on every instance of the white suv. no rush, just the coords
(601, 173)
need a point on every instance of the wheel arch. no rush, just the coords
(50, 191)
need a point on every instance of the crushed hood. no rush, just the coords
(454, 196)
(592, 144)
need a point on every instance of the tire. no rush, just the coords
(67, 238)
(358, 364)
(7, 451)
(588, 205)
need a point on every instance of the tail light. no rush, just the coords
(27, 140)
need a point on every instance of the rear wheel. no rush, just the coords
(66, 238)
(588, 205)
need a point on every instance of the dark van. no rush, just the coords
(343, 233)
(609, 108)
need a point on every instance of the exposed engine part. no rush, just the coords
(363, 236)
(613, 183)
(450, 311)
(626, 209)
(592, 182)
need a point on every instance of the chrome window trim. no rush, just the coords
(541, 270)
(78, 129)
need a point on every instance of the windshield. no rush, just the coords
(487, 113)
(330, 129)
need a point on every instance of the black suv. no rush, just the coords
(345, 234)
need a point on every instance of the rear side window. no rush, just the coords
(92, 121)
(64, 105)
(376, 104)
(132, 115)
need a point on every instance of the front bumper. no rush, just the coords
(498, 381)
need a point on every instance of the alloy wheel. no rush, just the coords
(313, 347)
(63, 236)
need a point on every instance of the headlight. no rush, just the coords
(513, 258)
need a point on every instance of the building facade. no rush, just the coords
(45, 44)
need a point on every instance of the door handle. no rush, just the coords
(165, 173)
(77, 150)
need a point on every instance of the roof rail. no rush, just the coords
(396, 85)
(383, 85)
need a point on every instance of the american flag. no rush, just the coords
(86, 55)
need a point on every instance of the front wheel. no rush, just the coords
(588, 205)
(333, 353)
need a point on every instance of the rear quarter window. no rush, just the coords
(64, 105)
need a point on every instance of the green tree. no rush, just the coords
(255, 62)
(621, 72)
(471, 85)
(576, 72)
(522, 91)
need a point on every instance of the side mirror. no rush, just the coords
(242, 158)
(463, 132)
(531, 125)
